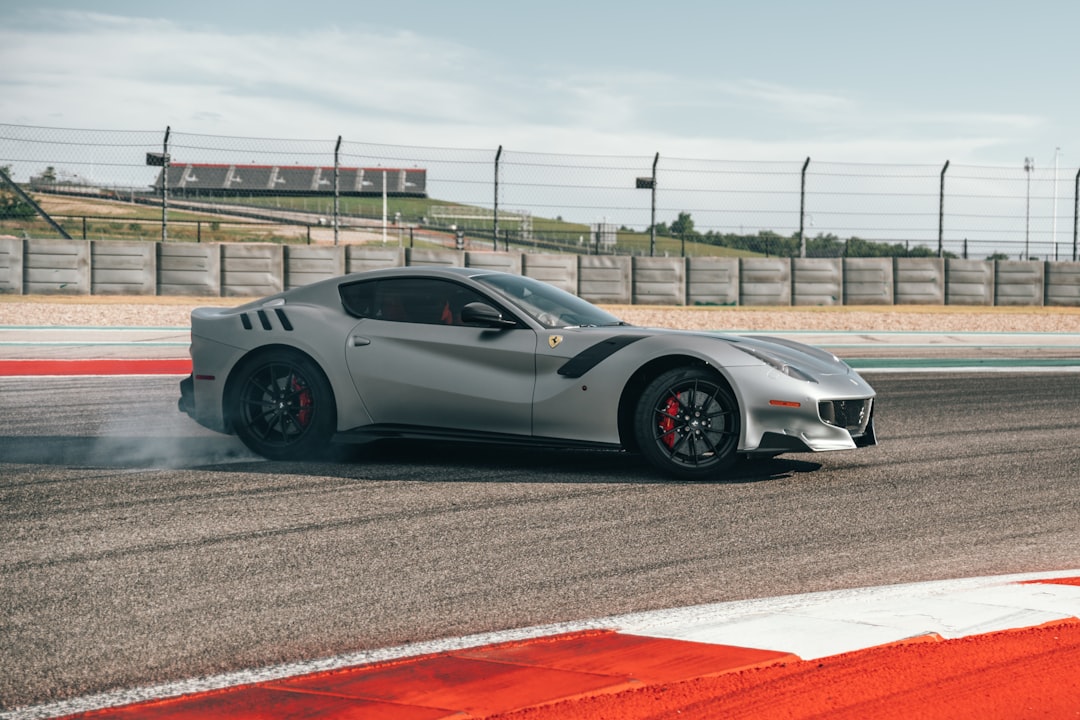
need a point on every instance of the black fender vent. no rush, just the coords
(265, 322)
(593, 355)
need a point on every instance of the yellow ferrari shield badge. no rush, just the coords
(554, 340)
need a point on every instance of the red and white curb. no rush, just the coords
(806, 627)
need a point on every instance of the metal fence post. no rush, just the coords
(1076, 210)
(802, 207)
(337, 186)
(1029, 166)
(941, 212)
(166, 163)
(495, 230)
(652, 225)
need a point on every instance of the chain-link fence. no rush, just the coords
(116, 184)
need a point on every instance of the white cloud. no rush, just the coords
(86, 69)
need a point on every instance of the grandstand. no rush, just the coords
(210, 179)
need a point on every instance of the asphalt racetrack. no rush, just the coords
(139, 548)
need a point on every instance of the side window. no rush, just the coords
(358, 299)
(414, 300)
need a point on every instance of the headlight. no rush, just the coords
(776, 363)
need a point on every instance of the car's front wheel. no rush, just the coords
(282, 406)
(687, 423)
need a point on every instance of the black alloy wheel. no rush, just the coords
(687, 423)
(283, 406)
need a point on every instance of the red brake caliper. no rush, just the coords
(667, 421)
(304, 416)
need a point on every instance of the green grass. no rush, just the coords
(99, 219)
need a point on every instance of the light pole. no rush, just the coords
(1029, 165)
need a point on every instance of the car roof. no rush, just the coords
(438, 271)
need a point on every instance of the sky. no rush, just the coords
(982, 83)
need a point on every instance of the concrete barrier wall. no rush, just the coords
(712, 281)
(305, 264)
(11, 266)
(503, 262)
(189, 269)
(104, 267)
(605, 279)
(919, 281)
(56, 267)
(969, 282)
(1063, 283)
(817, 281)
(1019, 282)
(558, 270)
(442, 258)
(123, 268)
(252, 269)
(359, 258)
(765, 281)
(659, 281)
(868, 281)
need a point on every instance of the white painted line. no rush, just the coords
(972, 369)
(823, 624)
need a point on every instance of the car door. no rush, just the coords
(414, 361)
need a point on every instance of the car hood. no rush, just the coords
(807, 358)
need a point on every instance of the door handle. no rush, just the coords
(358, 341)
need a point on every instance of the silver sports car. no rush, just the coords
(472, 354)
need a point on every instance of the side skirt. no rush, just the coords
(371, 433)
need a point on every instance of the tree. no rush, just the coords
(11, 205)
(683, 226)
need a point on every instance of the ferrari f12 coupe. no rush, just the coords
(441, 353)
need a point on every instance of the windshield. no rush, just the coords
(547, 304)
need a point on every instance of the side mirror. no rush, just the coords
(478, 313)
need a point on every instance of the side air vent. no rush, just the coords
(265, 322)
(283, 319)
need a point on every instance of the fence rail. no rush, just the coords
(640, 205)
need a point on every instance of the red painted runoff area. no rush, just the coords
(110, 366)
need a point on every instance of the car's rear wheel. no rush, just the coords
(282, 406)
(687, 423)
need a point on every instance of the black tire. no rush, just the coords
(282, 406)
(687, 423)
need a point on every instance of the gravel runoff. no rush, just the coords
(156, 311)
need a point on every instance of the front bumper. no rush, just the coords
(833, 438)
